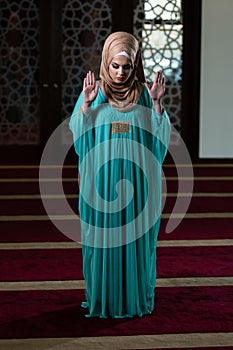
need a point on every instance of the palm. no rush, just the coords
(89, 93)
(90, 88)
(157, 90)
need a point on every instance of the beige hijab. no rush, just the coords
(120, 96)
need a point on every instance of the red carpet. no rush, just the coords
(26, 187)
(57, 313)
(41, 264)
(30, 231)
(35, 206)
(45, 231)
(66, 264)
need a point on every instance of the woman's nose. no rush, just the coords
(121, 70)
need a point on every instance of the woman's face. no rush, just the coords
(120, 69)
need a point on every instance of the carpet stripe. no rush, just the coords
(199, 194)
(75, 245)
(27, 180)
(74, 166)
(75, 217)
(37, 217)
(161, 341)
(200, 178)
(80, 284)
(197, 177)
(195, 243)
(75, 196)
(74, 179)
(36, 166)
(199, 165)
(49, 196)
(43, 245)
(42, 285)
(197, 215)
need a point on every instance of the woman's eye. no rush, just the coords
(127, 66)
(114, 65)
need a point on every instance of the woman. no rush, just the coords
(121, 135)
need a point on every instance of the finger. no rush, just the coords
(160, 76)
(156, 77)
(96, 88)
(92, 78)
(85, 82)
(89, 78)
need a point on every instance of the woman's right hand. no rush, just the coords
(90, 88)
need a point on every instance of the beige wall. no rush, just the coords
(216, 95)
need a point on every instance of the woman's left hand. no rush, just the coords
(157, 90)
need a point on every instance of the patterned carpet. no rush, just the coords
(41, 269)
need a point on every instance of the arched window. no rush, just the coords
(158, 25)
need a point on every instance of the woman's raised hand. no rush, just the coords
(90, 88)
(157, 90)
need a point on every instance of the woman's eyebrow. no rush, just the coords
(124, 65)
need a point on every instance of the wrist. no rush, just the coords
(158, 106)
(86, 106)
(156, 101)
(86, 103)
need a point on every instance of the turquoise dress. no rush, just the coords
(120, 155)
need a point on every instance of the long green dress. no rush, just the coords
(120, 155)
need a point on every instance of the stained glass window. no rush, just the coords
(158, 25)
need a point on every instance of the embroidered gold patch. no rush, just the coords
(118, 127)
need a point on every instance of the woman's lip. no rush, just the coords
(119, 78)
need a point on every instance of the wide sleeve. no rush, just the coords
(161, 126)
(77, 112)
(163, 132)
(79, 122)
